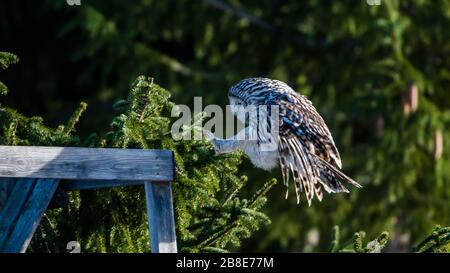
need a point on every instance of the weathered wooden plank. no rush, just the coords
(160, 217)
(71, 185)
(30, 216)
(86, 163)
(13, 208)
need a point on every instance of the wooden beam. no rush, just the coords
(86, 163)
(160, 217)
(23, 212)
(6, 186)
(11, 212)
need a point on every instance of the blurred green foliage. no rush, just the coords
(379, 75)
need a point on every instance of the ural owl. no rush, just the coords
(303, 145)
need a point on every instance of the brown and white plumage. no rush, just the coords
(305, 147)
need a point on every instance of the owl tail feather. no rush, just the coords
(333, 179)
(310, 173)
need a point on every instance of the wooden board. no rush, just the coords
(160, 217)
(6, 186)
(86, 163)
(13, 208)
(23, 212)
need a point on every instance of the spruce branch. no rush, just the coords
(261, 193)
(235, 191)
(70, 126)
(356, 244)
(335, 237)
(10, 133)
(3, 89)
(6, 59)
(437, 241)
(150, 84)
(358, 241)
(121, 105)
(218, 235)
(215, 249)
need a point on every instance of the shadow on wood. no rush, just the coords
(31, 176)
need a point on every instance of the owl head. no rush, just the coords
(257, 91)
(253, 97)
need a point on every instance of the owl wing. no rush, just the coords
(302, 120)
(307, 150)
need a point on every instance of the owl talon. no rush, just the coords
(216, 147)
(208, 135)
(213, 140)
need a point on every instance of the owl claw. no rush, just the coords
(214, 141)
(208, 135)
(217, 150)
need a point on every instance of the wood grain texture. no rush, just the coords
(86, 163)
(6, 186)
(13, 208)
(30, 215)
(161, 217)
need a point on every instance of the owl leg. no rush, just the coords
(228, 145)
(224, 146)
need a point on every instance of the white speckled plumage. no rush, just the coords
(305, 147)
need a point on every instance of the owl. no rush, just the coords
(294, 137)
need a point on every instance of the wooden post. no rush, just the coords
(160, 217)
(13, 208)
(23, 212)
(6, 186)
